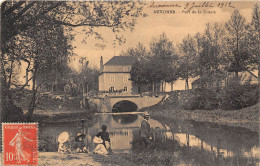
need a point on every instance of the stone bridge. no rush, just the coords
(127, 103)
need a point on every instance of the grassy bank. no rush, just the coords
(246, 117)
(182, 156)
(133, 159)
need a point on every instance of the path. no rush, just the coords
(81, 159)
(54, 158)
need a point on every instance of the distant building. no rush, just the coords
(115, 75)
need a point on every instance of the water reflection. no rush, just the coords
(126, 118)
(231, 144)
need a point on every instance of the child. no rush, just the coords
(80, 146)
(63, 143)
(63, 147)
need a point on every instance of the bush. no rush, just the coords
(200, 98)
(232, 97)
(236, 96)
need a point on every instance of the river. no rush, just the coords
(192, 141)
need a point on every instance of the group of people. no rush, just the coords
(102, 139)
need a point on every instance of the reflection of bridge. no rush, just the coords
(106, 104)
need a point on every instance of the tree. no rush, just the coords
(210, 64)
(139, 73)
(156, 65)
(19, 18)
(254, 38)
(46, 55)
(237, 54)
(187, 59)
(140, 52)
(162, 57)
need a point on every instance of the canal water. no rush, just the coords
(193, 142)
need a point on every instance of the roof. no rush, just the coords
(197, 81)
(121, 61)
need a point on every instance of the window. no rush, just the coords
(125, 78)
(125, 88)
(112, 78)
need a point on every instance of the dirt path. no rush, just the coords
(80, 159)
(55, 158)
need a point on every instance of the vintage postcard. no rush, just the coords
(130, 83)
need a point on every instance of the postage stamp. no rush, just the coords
(20, 143)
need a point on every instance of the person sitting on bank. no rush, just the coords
(145, 131)
(104, 144)
(63, 140)
(80, 146)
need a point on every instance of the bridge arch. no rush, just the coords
(124, 106)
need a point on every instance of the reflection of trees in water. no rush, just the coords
(124, 106)
(125, 119)
(217, 144)
(189, 155)
(197, 156)
(225, 137)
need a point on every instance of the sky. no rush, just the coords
(176, 26)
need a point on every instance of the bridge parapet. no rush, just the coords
(106, 103)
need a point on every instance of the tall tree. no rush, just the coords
(20, 17)
(210, 56)
(254, 38)
(139, 74)
(236, 42)
(188, 52)
(162, 56)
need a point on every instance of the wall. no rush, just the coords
(119, 82)
(117, 68)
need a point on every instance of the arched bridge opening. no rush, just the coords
(124, 106)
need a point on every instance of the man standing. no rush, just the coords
(145, 131)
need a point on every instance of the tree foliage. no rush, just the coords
(188, 52)
(155, 65)
(39, 29)
(232, 47)
(254, 38)
(236, 43)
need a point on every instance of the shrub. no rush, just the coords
(200, 98)
(237, 96)
(232, 97)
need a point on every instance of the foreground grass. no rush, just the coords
(55, 158)
(246, 117)
(120, 159)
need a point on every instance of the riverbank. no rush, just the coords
(116, 159)
(55, 158)
(246, 117)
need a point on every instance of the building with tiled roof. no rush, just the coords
(115, 74)
(121, 61)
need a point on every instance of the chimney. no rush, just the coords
(101, 64)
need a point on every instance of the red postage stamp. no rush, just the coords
(20, 143)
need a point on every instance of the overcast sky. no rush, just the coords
(176, 26)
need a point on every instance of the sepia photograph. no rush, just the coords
(128, 83)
